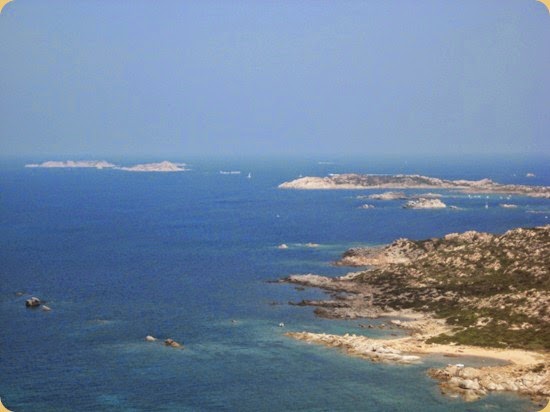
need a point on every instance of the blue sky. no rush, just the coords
(177, 78)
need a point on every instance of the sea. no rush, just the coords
(118, 256)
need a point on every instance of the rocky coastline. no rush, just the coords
(472, 293)
(371, 181)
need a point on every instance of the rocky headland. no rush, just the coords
(463, 294)
(371, 181)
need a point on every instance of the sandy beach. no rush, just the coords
(525, 372)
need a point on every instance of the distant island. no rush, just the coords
(463, 294)
(164, 166)
(399, 196)
(400, 181)
(98, 164)
(423, 203)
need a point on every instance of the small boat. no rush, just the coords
(249, 176)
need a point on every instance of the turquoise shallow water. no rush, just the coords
(119, 256)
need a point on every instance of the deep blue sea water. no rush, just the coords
(118, 256)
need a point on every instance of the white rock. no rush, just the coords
(468, 384)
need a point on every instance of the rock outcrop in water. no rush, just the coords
(387, 196)
(33, 302)
(358, 346)
(399, 196)
(358, 181)
(172, 343)
(423, 203)
(472, 383)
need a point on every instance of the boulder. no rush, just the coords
(491, 386)
(172, 343)
(32, 302)
(468, 384)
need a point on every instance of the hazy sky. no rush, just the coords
(175, 78)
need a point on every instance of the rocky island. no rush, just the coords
(400, 181)
(164, 166)
(98, 164)
(463, 294)
(423, 203)
(385, 196)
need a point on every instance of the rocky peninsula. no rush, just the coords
(472, 293)
(400, 181)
